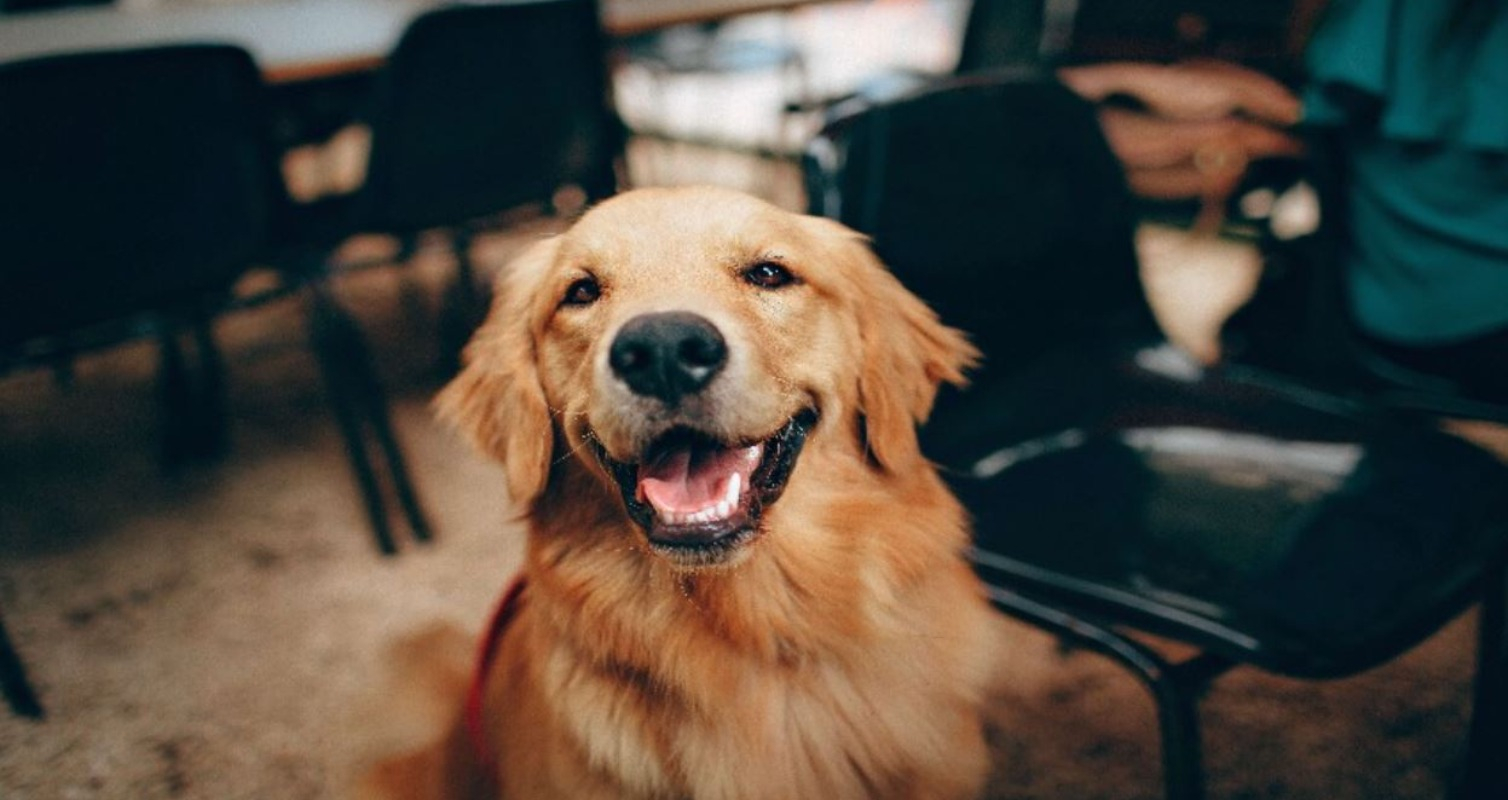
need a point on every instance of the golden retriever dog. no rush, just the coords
(742, 578)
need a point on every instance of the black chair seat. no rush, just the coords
(1226, 510)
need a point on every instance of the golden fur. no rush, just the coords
(845, 652)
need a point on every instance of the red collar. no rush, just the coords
(476, 730)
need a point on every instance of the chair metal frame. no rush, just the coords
(17, 690)
(1106, 618)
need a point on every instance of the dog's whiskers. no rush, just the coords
(570, 453)
(562, 417)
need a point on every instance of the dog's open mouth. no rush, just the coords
(699, 500)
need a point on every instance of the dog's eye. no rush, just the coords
(583, 292)
(769, 275)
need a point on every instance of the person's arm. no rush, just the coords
(1195, 90)
(1195, 126)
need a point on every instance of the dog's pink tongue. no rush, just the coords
(694, 477)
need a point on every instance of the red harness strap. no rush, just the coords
(476, 730)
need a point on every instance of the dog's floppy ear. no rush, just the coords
(906, 354)
(497, 399)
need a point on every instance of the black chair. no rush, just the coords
(137, 191)
(480, 109)
(1118, 486)
(139, 187)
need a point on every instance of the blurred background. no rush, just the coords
(242, 241)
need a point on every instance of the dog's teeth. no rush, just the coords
(752, 454)
(716, 512)
(724, 507)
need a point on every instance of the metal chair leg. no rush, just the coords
(1175, 688)
(191, 388)
(369, 395)
(19, 694)
(418, 523)
(332, 337)
(403, 486)
(210, 439)
(1486, 777)
(175, 398)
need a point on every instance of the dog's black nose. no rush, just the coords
(668, 355)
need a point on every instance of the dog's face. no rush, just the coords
(686, 346)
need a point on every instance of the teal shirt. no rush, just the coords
(1426, 135)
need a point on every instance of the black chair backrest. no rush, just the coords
(997, 201)
(485, 107)
(131, 180)
(1001, 33)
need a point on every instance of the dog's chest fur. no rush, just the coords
(874, 727)
(845, 697)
